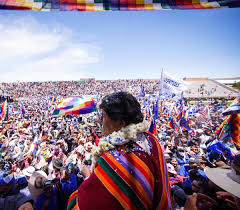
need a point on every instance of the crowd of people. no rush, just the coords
(44, 160)
(70, 88)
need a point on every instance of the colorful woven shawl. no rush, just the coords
(126, 176)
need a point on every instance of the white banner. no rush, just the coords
(171, 88)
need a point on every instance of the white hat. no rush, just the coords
(28, 171)
(199, 131)
(171, 169)
(167, 151)
(35, 183)
(227, 179)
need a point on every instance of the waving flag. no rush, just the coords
(5, 110)
(230, 128)
(142, 93)
(171, 123)
(60, 101)
(53, 99)
(153, 128)
(233, 109)
(75, 106)
(227, 120)
(22, 108)
(221, 149)
(171, 87)
(185, 125)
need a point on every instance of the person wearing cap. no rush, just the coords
(88, 148)
(174, 178)
(48, 199)
(127, 171)
(194, 164)
(28, 172)
(3, 151)
(55, 166)
(21, 164)
(227, 180)
(10, 197)
(222, 191)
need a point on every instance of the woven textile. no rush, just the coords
(130, 180)
(115, 5)
(235, 128)
(126, 178)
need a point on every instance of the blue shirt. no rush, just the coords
(68, 187)
(52, 201)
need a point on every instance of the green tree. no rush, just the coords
(236, 84)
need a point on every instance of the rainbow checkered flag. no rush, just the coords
(4, 110)
(75, 106)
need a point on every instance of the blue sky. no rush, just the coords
(118, 45)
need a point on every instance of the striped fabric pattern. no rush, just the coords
(130, 180)
(235, 128)
(115, 5)
(72, 201)
(165, 201)
(132, 185)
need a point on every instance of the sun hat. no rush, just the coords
(221, 164)
(57, 163)
(20, 158)
(181, 148)
(28, 171)
(201, 160)
(194, 160)
(36, 182)
(171, 169)
(199, 131)
(227, 179)
(166, 156)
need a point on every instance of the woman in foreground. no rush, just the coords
(129, 169)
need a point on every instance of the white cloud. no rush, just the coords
(38, 52)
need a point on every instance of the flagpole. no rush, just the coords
(161, 87)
